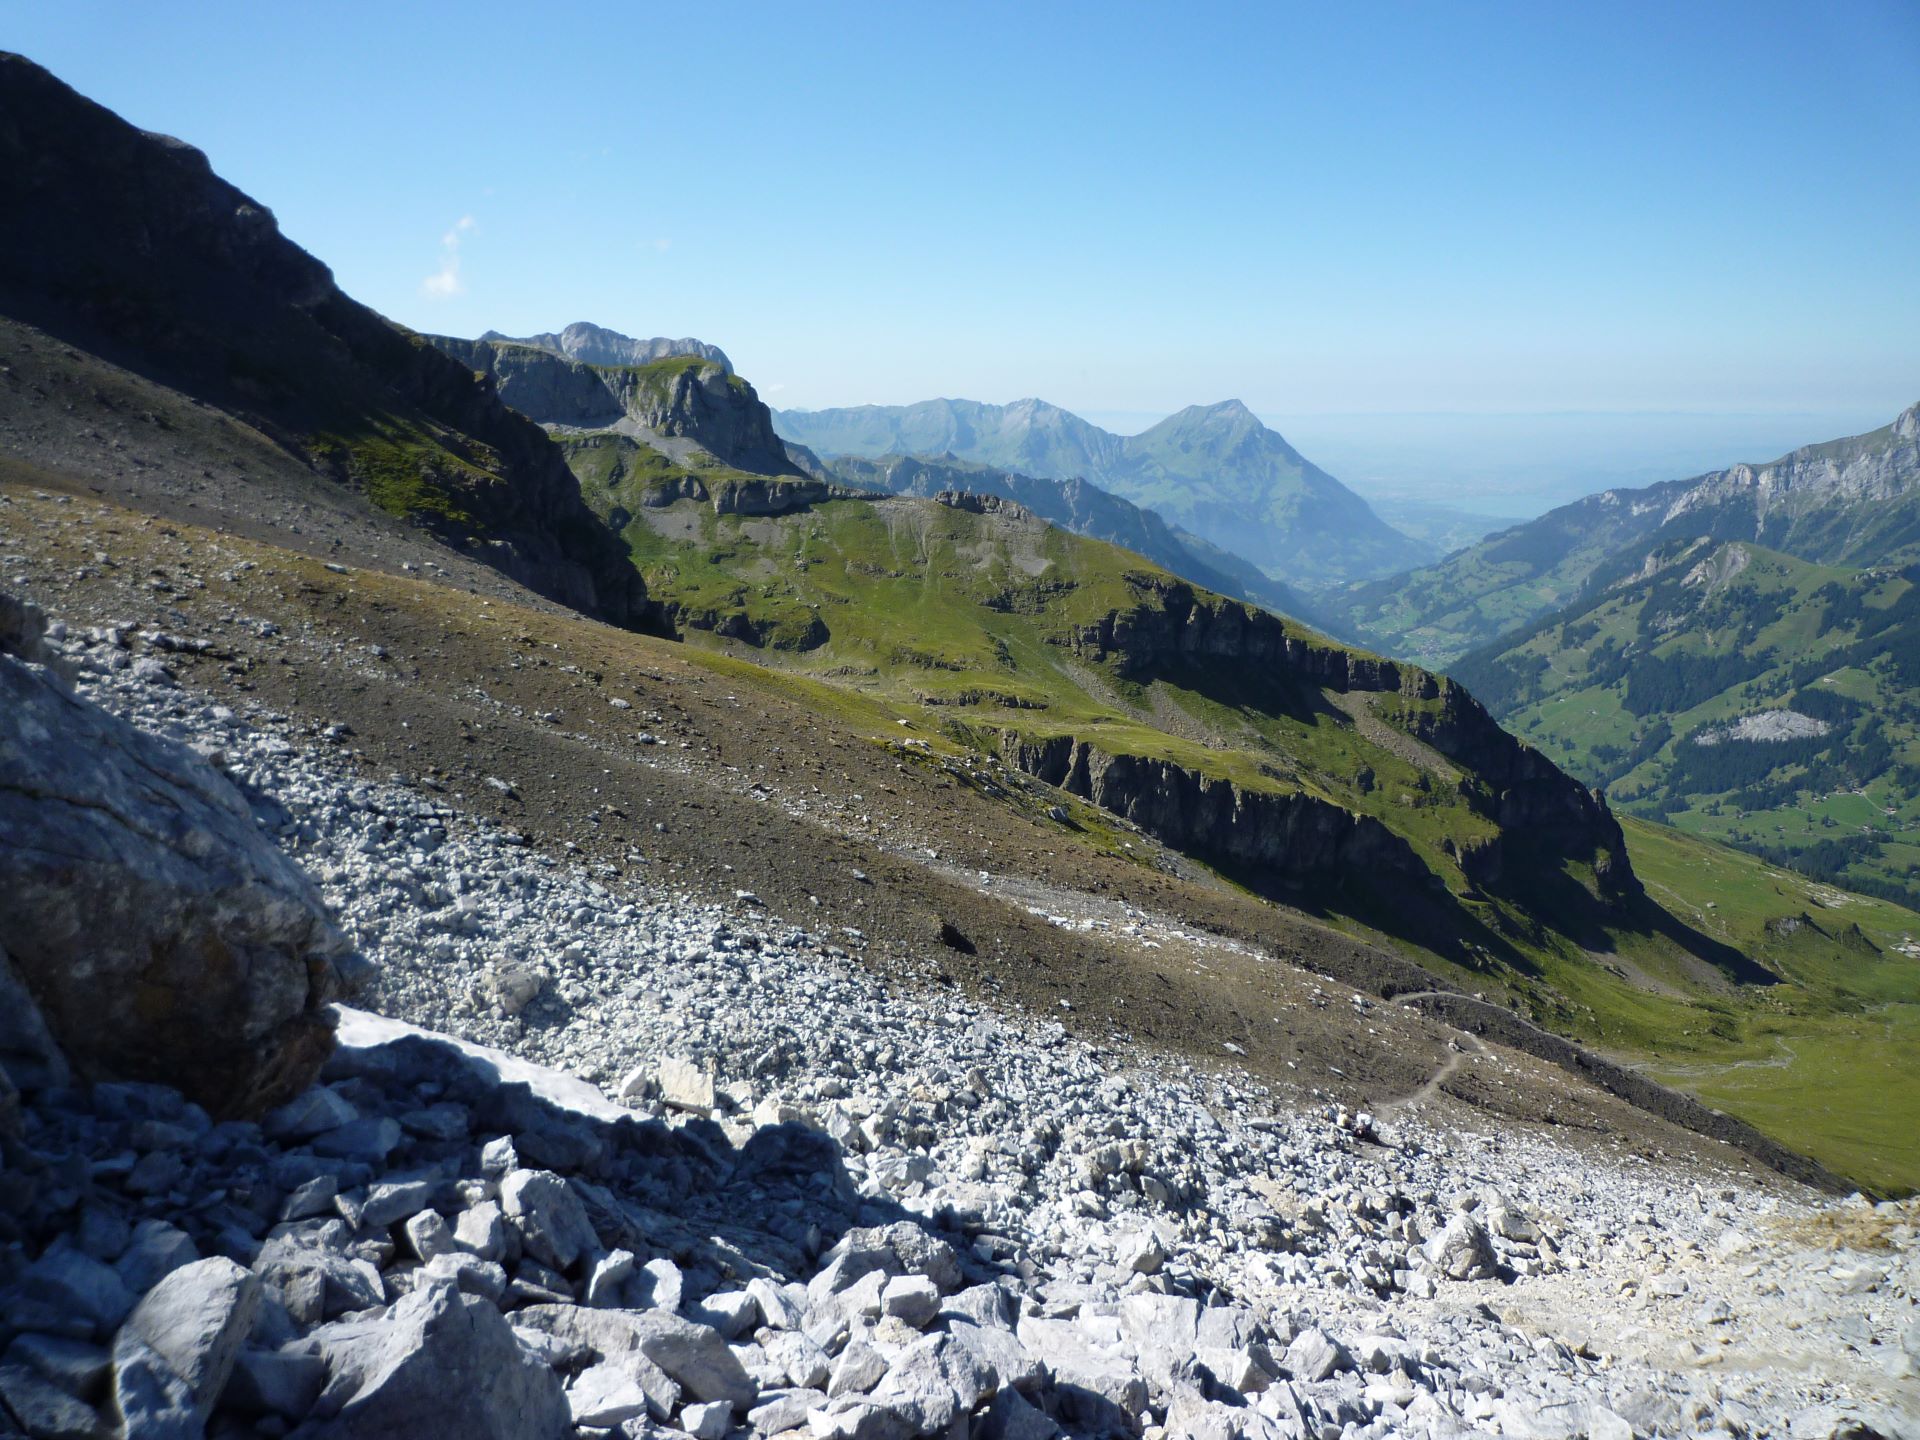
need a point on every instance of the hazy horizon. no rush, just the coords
(1516, 465)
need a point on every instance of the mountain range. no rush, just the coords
(1853, 501)
(1213, 470)
(210, 426)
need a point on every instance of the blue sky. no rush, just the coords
(1320, 209)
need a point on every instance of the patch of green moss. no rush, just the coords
(405, 472)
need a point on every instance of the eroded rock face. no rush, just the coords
(1542, 811)
(161, 934)
(1297, 837)
(698, 400)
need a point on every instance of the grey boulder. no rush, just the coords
(549, 1216)
(932, 1383)
(163, 934)
(439, 1364)
(194, 1321)
(694, 1355)
(1462, 1251)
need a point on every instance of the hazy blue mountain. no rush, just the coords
(1214, 470)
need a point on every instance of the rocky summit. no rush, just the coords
(607, 1159)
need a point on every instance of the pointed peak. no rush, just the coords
(1231, 410)
(1223, 412)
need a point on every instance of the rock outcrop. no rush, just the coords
(543, 386)
(685, 398)
(975, 503)
(162, 936)
(1542, 812)
(1297, 838)
(128, 246)
(775, 495)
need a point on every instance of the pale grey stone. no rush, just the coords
(196, 1320)
(437, 1364)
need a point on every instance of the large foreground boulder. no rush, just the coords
(162, 934)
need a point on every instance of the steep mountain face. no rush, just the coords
(1742, 694)
(1213, 470)
(673, 404)
(127, 246)
(594, 345)
(1854, 501)
(1082, 508)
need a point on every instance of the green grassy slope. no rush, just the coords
(1082, 508)
(1738, 981)
(1641, 689)
(972, 620)
(1828, 1061)
(940, 608)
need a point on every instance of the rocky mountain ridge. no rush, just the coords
(1882, 465)
(595, 345)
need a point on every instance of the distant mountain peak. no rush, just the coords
(1213, 470)
(596, 345)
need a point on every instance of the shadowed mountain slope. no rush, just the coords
(127, 247)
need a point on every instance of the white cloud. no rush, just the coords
(775, 389)
(663, 243)
(445, 282)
